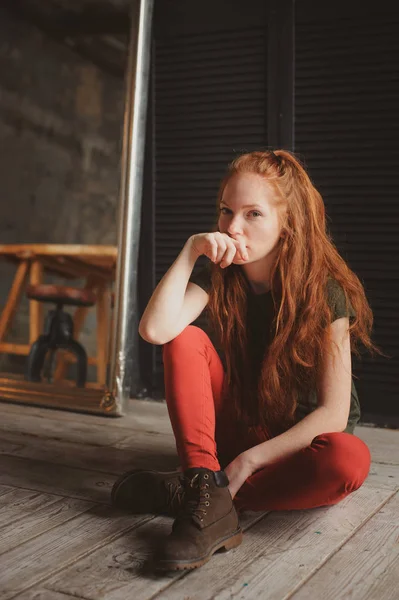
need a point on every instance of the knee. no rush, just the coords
(191, 335)
(346, 457)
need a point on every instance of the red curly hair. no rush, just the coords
(306, 258)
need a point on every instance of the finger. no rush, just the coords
(214, 249)
(228, 256)
(241, 250)
(221, 248)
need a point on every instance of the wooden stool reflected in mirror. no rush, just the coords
(96, 266)
(58, 331)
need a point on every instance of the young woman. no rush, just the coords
(262, 405)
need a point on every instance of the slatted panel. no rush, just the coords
(210, 104)
(347, 98)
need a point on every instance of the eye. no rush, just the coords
(228, 210)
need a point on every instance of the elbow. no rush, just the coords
(341, 426)
(148, 337)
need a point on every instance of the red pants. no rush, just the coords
(333, 466)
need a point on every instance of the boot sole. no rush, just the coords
(122, 478)
(182, 565)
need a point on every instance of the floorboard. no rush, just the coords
(281, 552)
(31, 514)
(139, 451)
(124, 568)
(52, 551)
(55, 479)
(60, 539)
(368, 564)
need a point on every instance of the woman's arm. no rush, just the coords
(330, 416)
(165, 305)
(334, 395)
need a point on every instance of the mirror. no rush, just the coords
(63, 290)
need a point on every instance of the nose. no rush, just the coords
(234, 227)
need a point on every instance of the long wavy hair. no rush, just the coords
(306, 257)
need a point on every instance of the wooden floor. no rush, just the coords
(60, 539)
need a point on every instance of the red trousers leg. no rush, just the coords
(324, 473)
(194, 379)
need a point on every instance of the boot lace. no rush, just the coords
(196, 499)
(174, 495)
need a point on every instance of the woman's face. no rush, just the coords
(257, 225)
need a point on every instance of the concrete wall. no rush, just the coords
(60, 140)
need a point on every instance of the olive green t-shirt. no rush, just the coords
(260, 313)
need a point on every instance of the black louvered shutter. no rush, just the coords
(210, 90)
(346, 127)
(211, 103)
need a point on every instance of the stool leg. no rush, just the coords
(78, 322)
(103, 326)
(81, 364)
(35, 307)
(36, 358)
(48, 368)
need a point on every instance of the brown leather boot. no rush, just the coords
(140, 491)
(207, 522)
